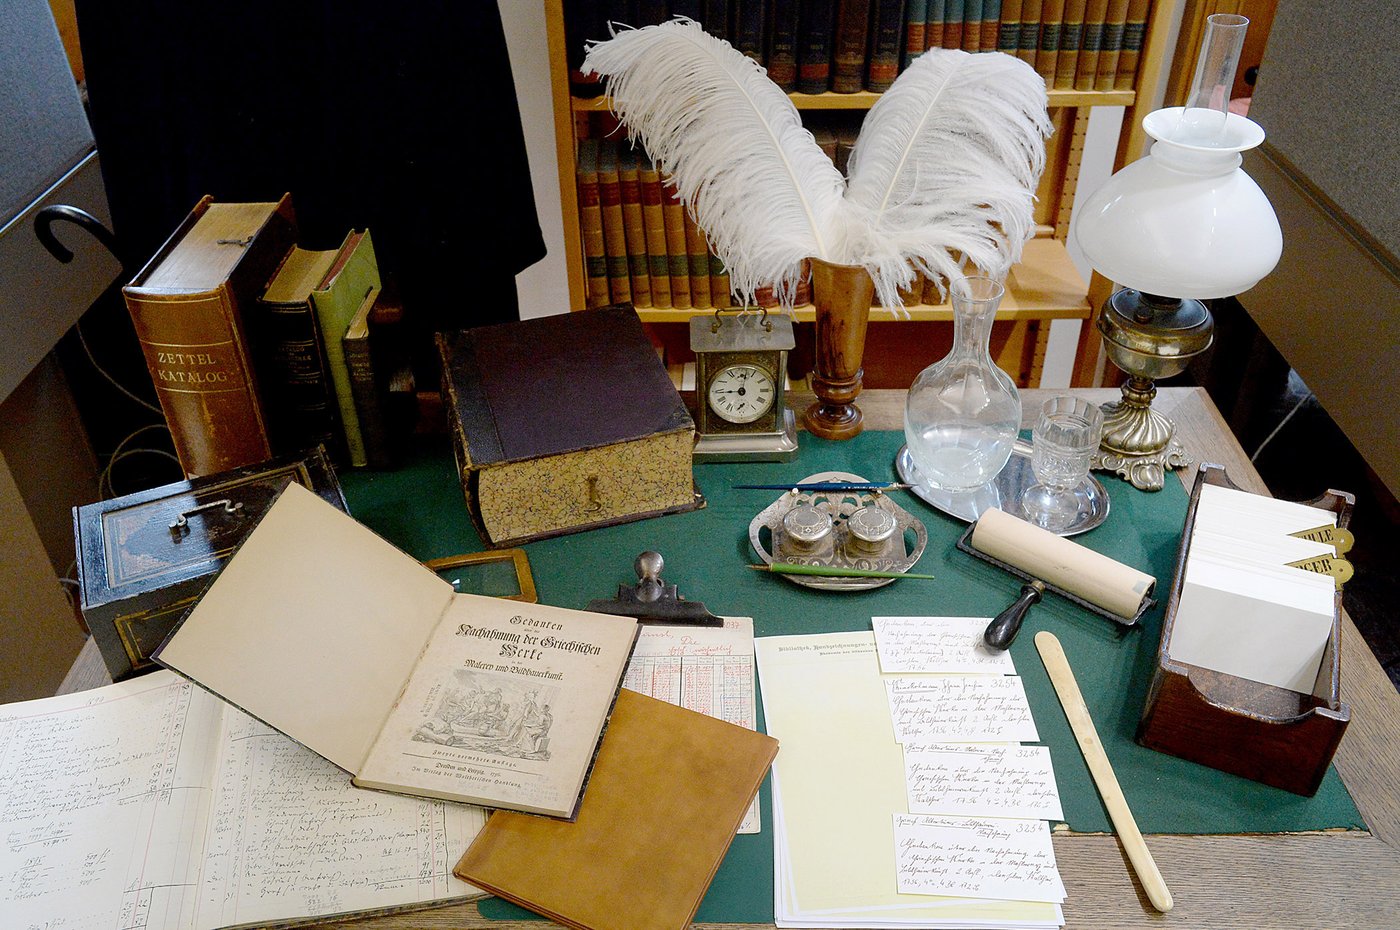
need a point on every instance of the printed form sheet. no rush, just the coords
(705, 669)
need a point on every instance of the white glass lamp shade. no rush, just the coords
(1184, 221)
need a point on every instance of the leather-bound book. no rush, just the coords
(849, 45)
(668, 790)
(677, 255)
(293, 372)
(564, 423)
(815, 20)
(633, 225)
(782, 44)
(590, 221)
(886, 43)
(653, 215)
(187, 306)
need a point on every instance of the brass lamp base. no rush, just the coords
(1138, 442)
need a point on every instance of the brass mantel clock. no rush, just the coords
(740, 368)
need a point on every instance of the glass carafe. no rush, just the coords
(963, 413)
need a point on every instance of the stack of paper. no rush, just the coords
(945, 831)
(1244, 609)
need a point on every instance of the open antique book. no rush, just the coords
(330, 635)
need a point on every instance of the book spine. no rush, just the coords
(369, 401)
(719, 283)
(953, 11)
(1071, 34)
(1009, 36)
(814, 34)
(885, 33)
(1047, 52)
(698, 253)
(1030, 31)
(782, 45)
(972, 26)
(198, 357)
(634, 227)
(294, 378)
(991, 25)
(934, 23)
(614, 232)
(915, 13)
(852, 34)
(590, 219)
(747, 24)
(1114, 21)
(677, 252)
(1134, 34)
(652, 216)
(715, 18)
(1090, 44)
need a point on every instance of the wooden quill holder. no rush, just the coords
(841, 295)
(1265, 733)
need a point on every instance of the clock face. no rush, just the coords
(741, 393)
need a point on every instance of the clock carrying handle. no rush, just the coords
(763, 320)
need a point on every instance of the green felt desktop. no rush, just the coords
(419, 507)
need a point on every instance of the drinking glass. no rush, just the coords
(1063, 441)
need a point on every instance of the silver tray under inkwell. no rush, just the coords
(1005, 491)
(898, 553)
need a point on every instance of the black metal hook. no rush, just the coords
(43, 228)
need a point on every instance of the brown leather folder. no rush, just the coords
(668, 790)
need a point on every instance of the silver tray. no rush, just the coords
(1004, 492)
(897, 557)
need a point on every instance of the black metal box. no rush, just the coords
(145, 558)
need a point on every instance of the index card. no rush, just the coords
(981, 780)
(960, 709)
(983, 858)
(937, 644)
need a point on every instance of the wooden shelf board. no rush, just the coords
(1044, 286)
(864, 100)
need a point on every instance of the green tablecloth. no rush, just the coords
(420, 508)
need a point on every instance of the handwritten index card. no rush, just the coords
(960, 709)
(984, 858)
(937, 644)
(981, 780)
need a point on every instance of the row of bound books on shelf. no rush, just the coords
(259, 347)
(847, 46)
(641, 246)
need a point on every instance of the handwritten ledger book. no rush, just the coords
(153, 804)
(669, 788)
(330, 635)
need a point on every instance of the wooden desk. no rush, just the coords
(1317, 880)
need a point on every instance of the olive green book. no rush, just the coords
(340, 294)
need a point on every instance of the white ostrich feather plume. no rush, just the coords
(947, 160)
(733, 144)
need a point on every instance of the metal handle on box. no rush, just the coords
(181, 525)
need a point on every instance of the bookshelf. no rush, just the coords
(1044, 287)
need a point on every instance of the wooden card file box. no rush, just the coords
(144, 559)
(1272, 735)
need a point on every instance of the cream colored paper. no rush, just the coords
(1104, 582)
(153, 804)
(313, 627)
(838, 781)
(705, 669)
(938, 644)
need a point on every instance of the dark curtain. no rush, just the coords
(400, 116)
